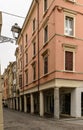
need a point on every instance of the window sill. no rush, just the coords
(34, 81)
(26, 45)
(71, 1)
(26, 85)
(33, 32)
(68, 71)
(69, 36)
(33, 56)
(45, 43)
(45, 75)
(45, 12)
(26, 64)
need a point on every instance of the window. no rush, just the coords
(45, 5)
(69, 26)
(20, 64)
(34, 49)
(46, 34)
(21, 48)
(68, 60)
(20, 81)
(69, 56)
(26, 58)
(26, 38)
(26, 75)
(34, 24)
(46, 64)
(34, 71)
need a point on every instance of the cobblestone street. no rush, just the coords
(14, 120)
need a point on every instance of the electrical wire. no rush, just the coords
(12, 14)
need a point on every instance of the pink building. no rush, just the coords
(49, 59)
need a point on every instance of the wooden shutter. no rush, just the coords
(68, 60)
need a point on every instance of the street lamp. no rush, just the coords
(15, 30)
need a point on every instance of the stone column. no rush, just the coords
(20, 104)
(16, 103)
(32, 104)
(25, 103)
(41, 104)
(76, 102)
(56, 103)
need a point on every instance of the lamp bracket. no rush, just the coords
(6, 39)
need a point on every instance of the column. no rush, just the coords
(25, 103)
(41, 104)
(56, 103)
(16, 103)
(20, 104)
(32, 104)
(76, 102)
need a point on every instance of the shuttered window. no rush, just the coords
(46, 65)
(26, 75)
(68, 60)
(20, 81)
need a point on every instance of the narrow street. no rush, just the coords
(14, 120)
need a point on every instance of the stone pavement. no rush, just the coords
(14, 120)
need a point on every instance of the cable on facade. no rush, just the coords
(12, 14)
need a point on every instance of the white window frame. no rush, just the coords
(46, 56)
(44, 43)
(34, 25)
(33, 49)
(26, 75)
(70, 16)
(70, 48)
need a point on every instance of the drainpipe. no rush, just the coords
(38, 43)
(37, 1)
(22, 63)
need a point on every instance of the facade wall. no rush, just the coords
(57, 91)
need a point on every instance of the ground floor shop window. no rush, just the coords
(82, 104)
(49, 103)
(65, 103)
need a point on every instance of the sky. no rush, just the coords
(16, 7)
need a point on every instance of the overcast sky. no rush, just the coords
(17, 7)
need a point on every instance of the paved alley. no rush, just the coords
(14, 120)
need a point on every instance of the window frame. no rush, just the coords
(34, 48)
(34, 25)
(69, 48)
(70, 15)
(26, 75)
(26, 38)
(26, 57)
(45, 71)
(44, 34)
(20, 81)
(34, 71)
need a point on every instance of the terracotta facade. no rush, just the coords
(49, 59)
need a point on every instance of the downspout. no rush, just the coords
(38, 43)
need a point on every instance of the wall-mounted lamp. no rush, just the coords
(15, 30)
